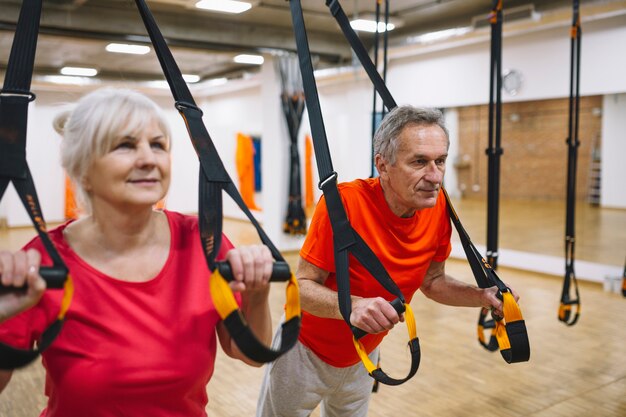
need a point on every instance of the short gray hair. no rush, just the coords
(97, 120)
(386, 137)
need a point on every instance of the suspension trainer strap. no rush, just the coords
(345, 239)
(359, 50)
(566, 313)
(14, 99)
(483, 272)
(494, 151)
(509, 333)
(213, 180)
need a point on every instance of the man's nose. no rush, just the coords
(433, 172)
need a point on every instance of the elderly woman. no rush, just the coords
(140, 336)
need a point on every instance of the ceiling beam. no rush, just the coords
(196, 32)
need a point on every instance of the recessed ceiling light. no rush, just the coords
(370, 25)
(224, 6)
(217, 81)
(125, 48)
(67, 79)
(249, 59)
(162, 84)
(79, 71)
(191, 78)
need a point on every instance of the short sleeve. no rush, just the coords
(318, 245)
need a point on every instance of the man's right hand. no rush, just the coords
(17, 270)
(374, 315)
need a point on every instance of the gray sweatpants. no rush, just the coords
(299, 381)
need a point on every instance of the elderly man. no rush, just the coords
(402, 215)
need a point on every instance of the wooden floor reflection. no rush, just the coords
(573, 371)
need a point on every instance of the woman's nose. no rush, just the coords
(145, 154)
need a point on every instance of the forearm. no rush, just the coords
(256, 310)
(319, 300)
(450, 291)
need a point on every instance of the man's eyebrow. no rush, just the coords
(423, 156)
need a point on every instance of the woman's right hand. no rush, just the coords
(17, 270)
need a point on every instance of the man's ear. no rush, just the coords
(381, 164)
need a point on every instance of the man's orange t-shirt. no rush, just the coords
(405, 246)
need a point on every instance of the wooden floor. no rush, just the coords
(573, 371)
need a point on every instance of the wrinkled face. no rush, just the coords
(135, 172)
(413, 182)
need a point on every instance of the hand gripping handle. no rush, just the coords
(54, 276)
(397, 304)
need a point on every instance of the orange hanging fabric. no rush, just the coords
(244, 160)
(308, 173)
(71, 208)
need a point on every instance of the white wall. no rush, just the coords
(613, 186)
(446, 78)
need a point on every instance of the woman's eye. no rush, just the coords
(158, 145)
(124, 145)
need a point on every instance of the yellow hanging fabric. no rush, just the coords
(244, 160)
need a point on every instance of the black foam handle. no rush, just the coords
(54, 276)
(280, 271)
(397, 304)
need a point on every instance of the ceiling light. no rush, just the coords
(65, 79)
(79, 71)
(370, 25)
(162, 84)
(224, 6)
(217, 81)
(191, 78)
(439, 35)
(125, 48)
(249, 59)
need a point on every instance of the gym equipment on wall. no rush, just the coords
(292, 99)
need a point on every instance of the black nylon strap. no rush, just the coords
(494, 151)
(213, 179)
(14, 99)
(565, 314)
(361, 53)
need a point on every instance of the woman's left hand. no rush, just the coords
(251, 266)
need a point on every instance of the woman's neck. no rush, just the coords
(115, 230)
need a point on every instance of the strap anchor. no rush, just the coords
(18, 93)
(331, 177)
(183, 105)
